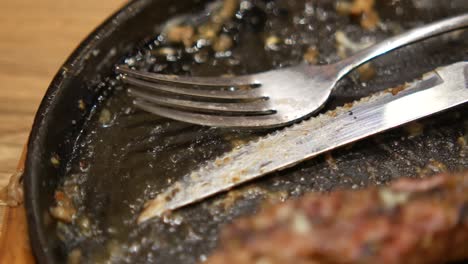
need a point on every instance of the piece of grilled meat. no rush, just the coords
(410, 221)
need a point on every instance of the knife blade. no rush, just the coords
(436, 91)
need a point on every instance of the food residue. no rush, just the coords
(346, 47)
(311, 55)
(366, 72)
(362, 9)
(330, 160)
(181, 34)
(208, 31)
(433, 166)
(414, 129)
(223, 43)
(81, 105)
(55, 160)
(74, 257)
(396, 90)
(64, 209)
(272, 42)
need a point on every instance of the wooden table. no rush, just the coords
(36, 37)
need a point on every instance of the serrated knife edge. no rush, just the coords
(436, 91)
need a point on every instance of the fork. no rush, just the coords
(269, 99)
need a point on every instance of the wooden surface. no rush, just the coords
(14, 242)
(36, 37)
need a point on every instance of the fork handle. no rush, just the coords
(401, 40)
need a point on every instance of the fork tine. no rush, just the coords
(260, 121)
(199, 81)
(255, 107)
(251, 94)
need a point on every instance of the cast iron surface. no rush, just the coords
(120, 163)
(53, 130)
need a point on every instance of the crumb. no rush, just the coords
(363, 9)
(223, 43)
(397, 89)
(74, 257)
(64, 209)
(272, 42)
(105, 117)
(414, 129)
(433, 166)
(330, 161)
(55, 160)
(181, 34)
(366, 72)
(81, 105)
(311, 55)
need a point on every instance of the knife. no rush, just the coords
(436, 91)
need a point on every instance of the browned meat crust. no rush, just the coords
(411, 221)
